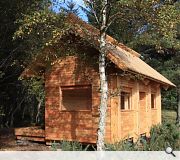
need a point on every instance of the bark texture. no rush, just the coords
(103, 80)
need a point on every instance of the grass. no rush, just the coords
(168, 116)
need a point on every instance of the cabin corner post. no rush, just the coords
(158, 101)
(46, 106)
(136, 103)
(114, 109)
(119, 111)
(149, 116)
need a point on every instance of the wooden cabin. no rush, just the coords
(72, 88)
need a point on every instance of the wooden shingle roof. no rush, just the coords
(121, 55)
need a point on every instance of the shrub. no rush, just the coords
(164, 135)
(71, 146)
(161, 136)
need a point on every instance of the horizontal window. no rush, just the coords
(75, 98)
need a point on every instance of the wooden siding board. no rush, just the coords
(82, 126)
(76, 125)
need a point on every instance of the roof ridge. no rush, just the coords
(76, 20)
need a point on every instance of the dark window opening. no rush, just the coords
(152, 100)
(142, 96)
(75, 98)
(125, 100)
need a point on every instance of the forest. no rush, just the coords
(152, 28)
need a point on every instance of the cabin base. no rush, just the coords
(30, 134)
(37, 134)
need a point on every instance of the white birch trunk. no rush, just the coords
(103, 81)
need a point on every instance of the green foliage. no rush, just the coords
(152, 28)
(164, 135)
(168, 65)
(70, 7)
(71, 146)
(36, 89)
(161, 136)
(16, 104)
(168, 116)
(54, 146)
(35, 86)
(150, 22)
(41, 29)
(120, 146)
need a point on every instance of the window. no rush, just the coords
(142, 96)
(75, 98)
(153, 101)
(125, 100)
(142, 100)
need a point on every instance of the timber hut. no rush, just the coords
(72, 94)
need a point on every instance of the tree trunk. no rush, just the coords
(38, 111)
(178, 106)
(15, 110)
(103, 81)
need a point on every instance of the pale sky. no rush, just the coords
(81, 14)
(79, 3)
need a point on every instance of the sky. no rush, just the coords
(79, 3)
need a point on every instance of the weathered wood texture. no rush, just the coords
(62, 123)
(140, 117)
(30, 133)
(80, 125)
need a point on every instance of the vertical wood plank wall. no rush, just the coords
(139, 119)
(72, 125)
(82, 125)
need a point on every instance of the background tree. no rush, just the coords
(50, 27)
(152, 29)
(70, 7)
(13, 95)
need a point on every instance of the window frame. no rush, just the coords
(154, 101)
(71, 87)
(128, 91)
(144, 98)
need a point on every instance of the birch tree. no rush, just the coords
(103, 22)
(103, 78)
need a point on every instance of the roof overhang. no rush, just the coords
(122, 56)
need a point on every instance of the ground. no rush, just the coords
(9, 143)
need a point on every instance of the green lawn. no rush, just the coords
(168, 116)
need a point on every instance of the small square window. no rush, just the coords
(142, 96)
(75, 98)
(153, 101)
(125, 100)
